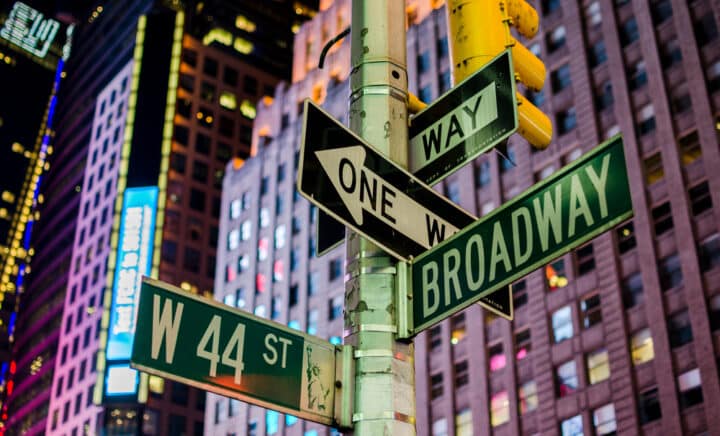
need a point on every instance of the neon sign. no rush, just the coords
(30, 29)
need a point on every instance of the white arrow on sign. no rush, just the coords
(360, 188)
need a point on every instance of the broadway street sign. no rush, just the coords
(360, 187)
(465, 122)
(214, 347)
(584, 199)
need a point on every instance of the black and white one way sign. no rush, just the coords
(354, 183)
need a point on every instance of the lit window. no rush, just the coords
(235, 208)
(590, 311)
(247, 109)
(522, 344)
(260, 283)
(593, 14)
(278, 271)
(280, 236)
(604, 420)
(562, 324)
(439, 427)
(496, 357)
(555, 274)
(260, 310)
(228, 100)
(572, 426)
(312, 321)
(641, 347)
(262, 251)
(647, 119)
(271, 422)
(689, 385)
(290, 420)
(598, 366)
(457, 329)
(229, 299)
(245, 230)
(566, 380)
(463, 423)
(233, 239)
(690, 144)
(264, 217)
(499, 409)
(528, 398)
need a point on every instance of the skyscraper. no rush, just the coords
(620, 335)
(136, 117)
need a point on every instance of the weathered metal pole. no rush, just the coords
(384, 368)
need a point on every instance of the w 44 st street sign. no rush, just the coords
(584, 199)
(214, 347)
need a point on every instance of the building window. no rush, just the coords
(641, 347)
(523, 344)
(263, 249)
(709, 252)
(520, 295)
(714, 310)
(482, 174)
(654, 170)
(566, 380)
(590, 310)
(197, 200)
(436, 386)
(280, 236)
(496, 357)
(191, 260)
(593, 15)
(647, 120)
(508, 162)
(278, 271)
(200, 171)
(560, 78)
(550, 6)
(632, 290)
(423, 62)
(690, 149)
(435, 337)
(705, 29)
(629, 32)
(312, 321)
(604, 97)
(572, 426)
(439, 427)
(670, 272)
(700, 198)
(598, 55)
(499, 409)
(679, 329)
(264, 218)
(335, 307)
(626, 237)
(670, 53)
(555, 39)
(690, 388)
(426, 94)
(246, 230)
(604, 420)
(662, 217)
(462, 375)
(562, 324)
(566, 120)
(637, 76)
(598, 366)
(649, 406)
(585, 259)
(463, 423)
(457, 328)
(335, 269)
(527, 397)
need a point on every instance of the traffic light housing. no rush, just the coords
(480, 30)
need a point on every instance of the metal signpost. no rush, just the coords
(584, 199)
(200, 342)
(354, 183)
(467, 121)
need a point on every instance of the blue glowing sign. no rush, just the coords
(134, 260)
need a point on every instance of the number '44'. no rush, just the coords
(228, 358)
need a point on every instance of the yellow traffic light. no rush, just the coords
(480, 30)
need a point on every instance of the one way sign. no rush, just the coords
(354, 183)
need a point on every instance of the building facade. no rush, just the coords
(169, 109)
(619, 336)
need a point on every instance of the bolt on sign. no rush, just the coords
(584, 199)
(205, 344)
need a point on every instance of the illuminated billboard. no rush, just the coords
(134, 259)
(36, 33)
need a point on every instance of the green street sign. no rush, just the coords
(584, 199)
(205, 344)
